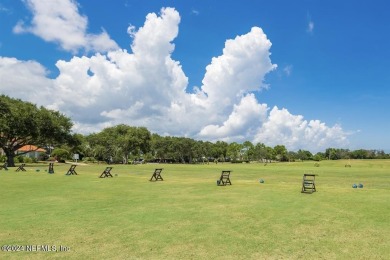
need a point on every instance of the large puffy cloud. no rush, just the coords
(24, 79)
(294, 132)
(240, 69)
(242, 123)
(60, 22)
(154, 40)
(143, 87)
(147, 87)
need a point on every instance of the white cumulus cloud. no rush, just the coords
(245, 120)
(107, 87)
(24, 79)
(293, 131)
(59, 21)
(240, 69)
(147, 87)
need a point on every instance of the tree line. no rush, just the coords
(128, 144)
(23, 123)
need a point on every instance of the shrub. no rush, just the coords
(89, 159)
(27, 160)
(43, 157)
(317, 158)
(60, 154)
(20, 158)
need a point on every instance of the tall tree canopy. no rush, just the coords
(121, 141)
(23, 123)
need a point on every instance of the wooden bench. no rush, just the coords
(21, 167)
(51, 168)
(157, 175)
(106, 173)
(72, 170)
(4, 166)
(308, 183)
(224, 179)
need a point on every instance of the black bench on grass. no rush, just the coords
(4, 166)
(21, 167)
(72, 170)
(224, 179)
(308, 183)
(106, 173)
(157, 175)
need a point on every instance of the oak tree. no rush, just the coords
(23, 123)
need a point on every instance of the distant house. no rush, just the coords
(30, 151)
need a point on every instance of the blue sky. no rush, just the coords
(316, 72)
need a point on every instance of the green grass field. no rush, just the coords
(187, 216)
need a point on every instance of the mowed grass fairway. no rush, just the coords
(187, 216)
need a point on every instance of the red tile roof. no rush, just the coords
(32, 148)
